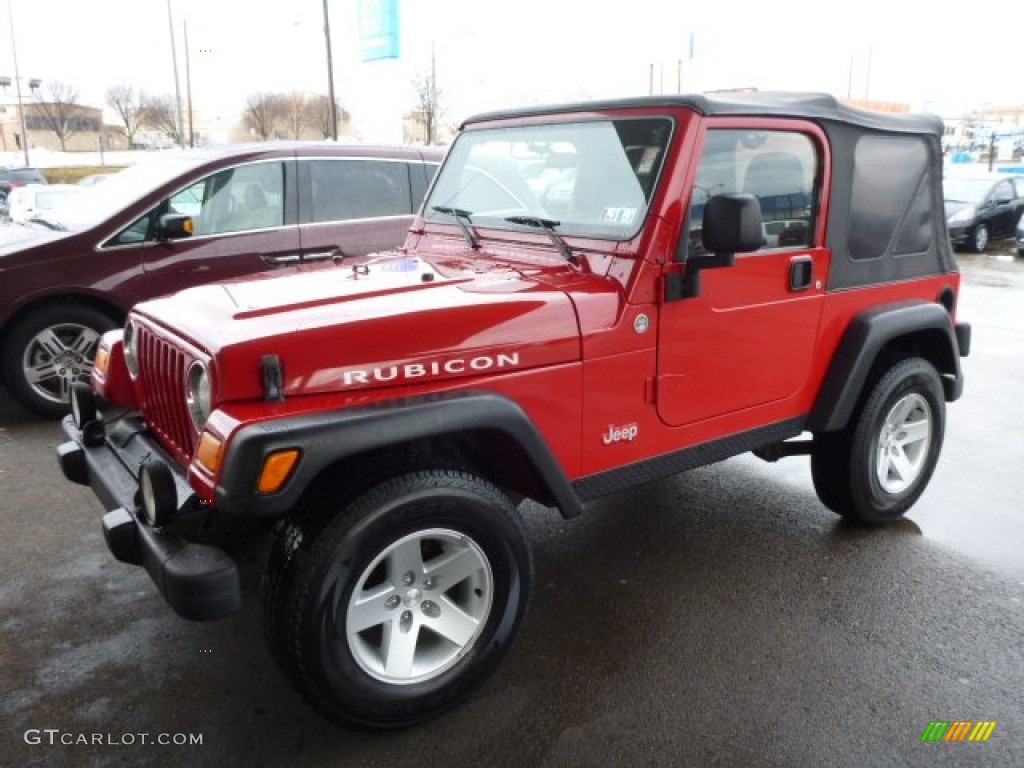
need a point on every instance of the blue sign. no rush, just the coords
(378, 29)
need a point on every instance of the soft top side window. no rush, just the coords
(890, 192)
(777, 167)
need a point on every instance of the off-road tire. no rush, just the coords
(854, 476)
(325, 554)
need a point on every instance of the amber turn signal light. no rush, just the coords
(209, 452)
(276, 469)
(102, 360)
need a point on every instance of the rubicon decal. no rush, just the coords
(625, 433)
(429, 368)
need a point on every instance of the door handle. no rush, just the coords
(801, 273)
(334, 253)
(281, 259)
(285, 259)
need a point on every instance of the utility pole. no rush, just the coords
(188, 89)
(17, 85)
(177, 82)
(333, 106)
(433, 95)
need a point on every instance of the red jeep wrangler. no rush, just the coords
(593, 296)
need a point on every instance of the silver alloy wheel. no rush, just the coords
(419, 606)
(981, 238)
(903, 443)
(58, 356)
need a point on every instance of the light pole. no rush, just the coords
(33, 84)
(332, 107)
(177, 82)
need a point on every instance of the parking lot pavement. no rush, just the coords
(722, 617)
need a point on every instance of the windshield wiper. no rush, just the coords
(548, 225)
(461, 217)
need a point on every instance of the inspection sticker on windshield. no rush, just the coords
(624, 216)
(400, 265)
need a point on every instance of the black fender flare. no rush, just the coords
(865, 337)
(327, 437)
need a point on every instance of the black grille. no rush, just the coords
(163, 370)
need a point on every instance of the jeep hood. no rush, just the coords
(391, 321)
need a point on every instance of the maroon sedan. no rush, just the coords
(181, 219)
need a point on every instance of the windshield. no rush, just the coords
(95, 204)
(965, 190)
(591, 179)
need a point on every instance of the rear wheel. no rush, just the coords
(397, 607)
(49, 350)
(874, 470)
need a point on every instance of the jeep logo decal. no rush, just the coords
(627, 432)
(406, 371)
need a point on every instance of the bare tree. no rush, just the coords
(161, 114)
(60, 112)
(320, 108)
(428, 105)
(129, 105)
(263, 112)
(299, 112)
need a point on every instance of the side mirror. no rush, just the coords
(174, 226)
(732, 224)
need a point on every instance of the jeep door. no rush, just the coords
(242, 224)
(747, 339)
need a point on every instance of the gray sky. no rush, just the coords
(493, 54)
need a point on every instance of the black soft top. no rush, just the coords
(813, 106)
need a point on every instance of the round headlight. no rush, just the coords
(131, 349)
(198, 394)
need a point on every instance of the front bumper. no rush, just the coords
(198, 581)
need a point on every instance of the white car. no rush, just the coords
(25, 202)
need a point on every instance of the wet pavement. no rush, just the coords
(722, 617)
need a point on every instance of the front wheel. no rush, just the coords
(49, 350)
(397, 607)
(875, 469)
(979, 240)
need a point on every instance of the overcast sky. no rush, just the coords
(492, 54)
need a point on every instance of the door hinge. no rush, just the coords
(651, 390)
